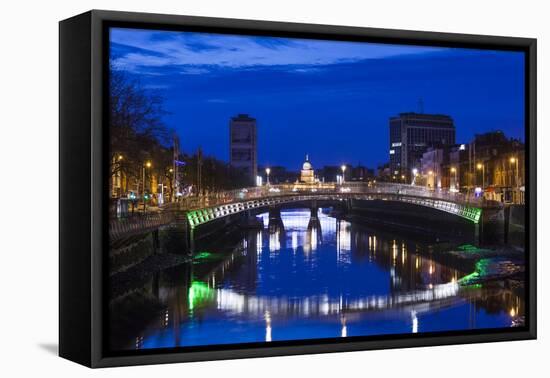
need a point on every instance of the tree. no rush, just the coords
(216, 175)
(137, 133)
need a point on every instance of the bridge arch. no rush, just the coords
(197, 211)
(202, 216)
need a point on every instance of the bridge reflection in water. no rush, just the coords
(326, 279)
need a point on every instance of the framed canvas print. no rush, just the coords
(233, 188)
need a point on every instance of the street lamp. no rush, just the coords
(117, 177)
(414, 174)
(430, 183)
(481, 167)
(343, 173)
(146, 165)
(453, 171)
(267, 172)
(515, 161)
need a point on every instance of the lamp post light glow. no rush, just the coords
(514, 160)
(455, 184)
(414, 174)
(146, 165)
(267, 172)
(343, 173)
(430, 182)
(481, 167)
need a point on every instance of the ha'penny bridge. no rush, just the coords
(196, 212)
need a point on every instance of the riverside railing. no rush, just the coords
(138, 223)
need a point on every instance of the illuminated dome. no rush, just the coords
(307, 165)
(307, 175)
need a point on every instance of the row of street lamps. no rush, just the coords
(480, 167)
(146, 165)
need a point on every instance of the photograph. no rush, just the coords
(266, 189)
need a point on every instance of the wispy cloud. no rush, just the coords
(194, 70)
(134, 49)
(306, 69)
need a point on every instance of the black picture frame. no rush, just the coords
(83, 209)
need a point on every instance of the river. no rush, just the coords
(328, 280)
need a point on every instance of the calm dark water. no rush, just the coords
(300, 282)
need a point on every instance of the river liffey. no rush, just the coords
(307, 280)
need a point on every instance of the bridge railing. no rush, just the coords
(219, 198)
(420, 191)
(246, 194)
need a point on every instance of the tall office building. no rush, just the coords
(243, 152)
(411, 134)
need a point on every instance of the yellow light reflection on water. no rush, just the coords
(313, 239)
(275, 241)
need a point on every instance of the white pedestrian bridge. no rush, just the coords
(199, 210)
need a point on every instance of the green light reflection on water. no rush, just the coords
(481, 270)
(199, 293)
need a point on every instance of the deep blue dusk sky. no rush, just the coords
(330, 99)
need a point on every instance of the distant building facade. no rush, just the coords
(278, 174)
(491, 162)
(383, 172)
(243, 145)
(433, 164)
(412, 134)
(333, 173)
(330, 173)
(496, 164)
(307, 174)
(361, 173)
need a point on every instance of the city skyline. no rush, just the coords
(329, 98)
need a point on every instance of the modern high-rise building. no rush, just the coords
(243, 142)
(411, 134)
